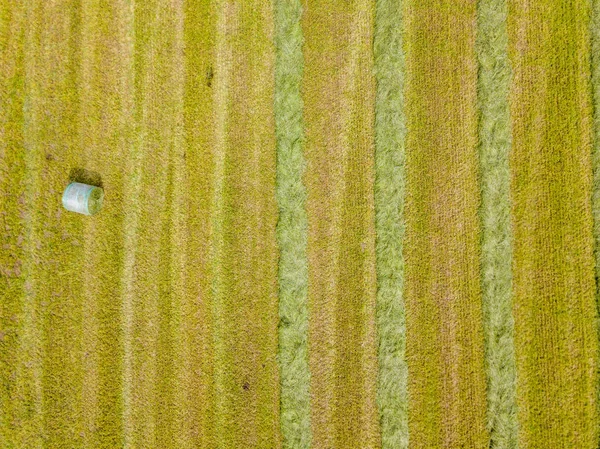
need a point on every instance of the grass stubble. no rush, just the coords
(555, 312)
(339, 93)
(444, 333)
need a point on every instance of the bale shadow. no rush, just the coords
(86, 177)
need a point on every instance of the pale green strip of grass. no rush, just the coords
(218, 317)
(216, 238)
(496, 238)
(106, 135)
(171, 340)
(390, 130)
(29, 384)
(291, 228)
(182, 356)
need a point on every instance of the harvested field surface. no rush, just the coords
(326, 224)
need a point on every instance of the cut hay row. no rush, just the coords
(496, 238)
(444, 341)
(153, 64)
(105, 138)
(338, 91)
(291, 228)
(556, 338)
(390, 131)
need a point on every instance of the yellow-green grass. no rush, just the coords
(284, 181)
(104, 137)
(556, 339)
(338, 91)
(109, 324)
(199, 112)
(245, 313)
(46, 386)
(20, 332)
(153, 292)
(594, 27)
(444, 340)
(390, 131)
(496, 237)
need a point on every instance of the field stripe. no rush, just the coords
(223, 70)
(150, 55)
(291, 228)
(390, 130)
(245, 216)
(170, 409)
(106, 137)
(200, 130)
(52, 106)
(13, 227)
(445, 341)
(496, 238)
(338, 90)
(131, 222)
(595, 59)
(20, 367)
(556, 338)
(180, 358)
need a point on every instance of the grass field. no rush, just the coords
(359, 224)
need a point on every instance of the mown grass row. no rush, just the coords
(390, 132)
(292, 228)
(496, 237)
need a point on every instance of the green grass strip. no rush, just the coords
(390, 130)
(291, 228)
(496, 238)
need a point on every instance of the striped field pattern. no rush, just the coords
(359, 224)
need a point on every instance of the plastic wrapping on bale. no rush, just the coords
(83, 198)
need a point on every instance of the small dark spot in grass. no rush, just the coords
(263, 365)
(49, 157)
(17, 268)
(246, 386)
(184, 155)
(210, 74)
